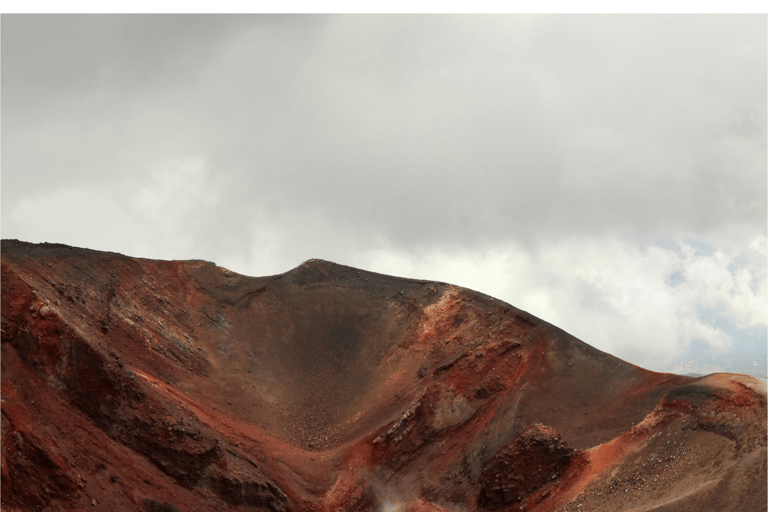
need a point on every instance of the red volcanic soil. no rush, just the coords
(162, 386)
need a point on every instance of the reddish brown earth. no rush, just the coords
(160, 386)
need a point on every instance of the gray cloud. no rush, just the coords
(552, 123)
(519, 130)
(406, 144)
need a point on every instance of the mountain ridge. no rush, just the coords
(332, 388)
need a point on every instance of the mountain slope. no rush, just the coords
(332, 388)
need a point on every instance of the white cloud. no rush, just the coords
(173, 200)
(84, 216)
(162, 213)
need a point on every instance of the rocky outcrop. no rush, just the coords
(535, 458)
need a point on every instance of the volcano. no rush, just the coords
(131, 384)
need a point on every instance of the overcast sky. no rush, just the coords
(606, 173)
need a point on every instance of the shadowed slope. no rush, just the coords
(332, 388)
(306, 346)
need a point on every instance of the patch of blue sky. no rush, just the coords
(676, 278)
(669, 244)
(701, 246)
(747, 354)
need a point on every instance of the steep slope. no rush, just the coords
(133, 384)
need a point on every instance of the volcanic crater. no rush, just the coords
(131, 384)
